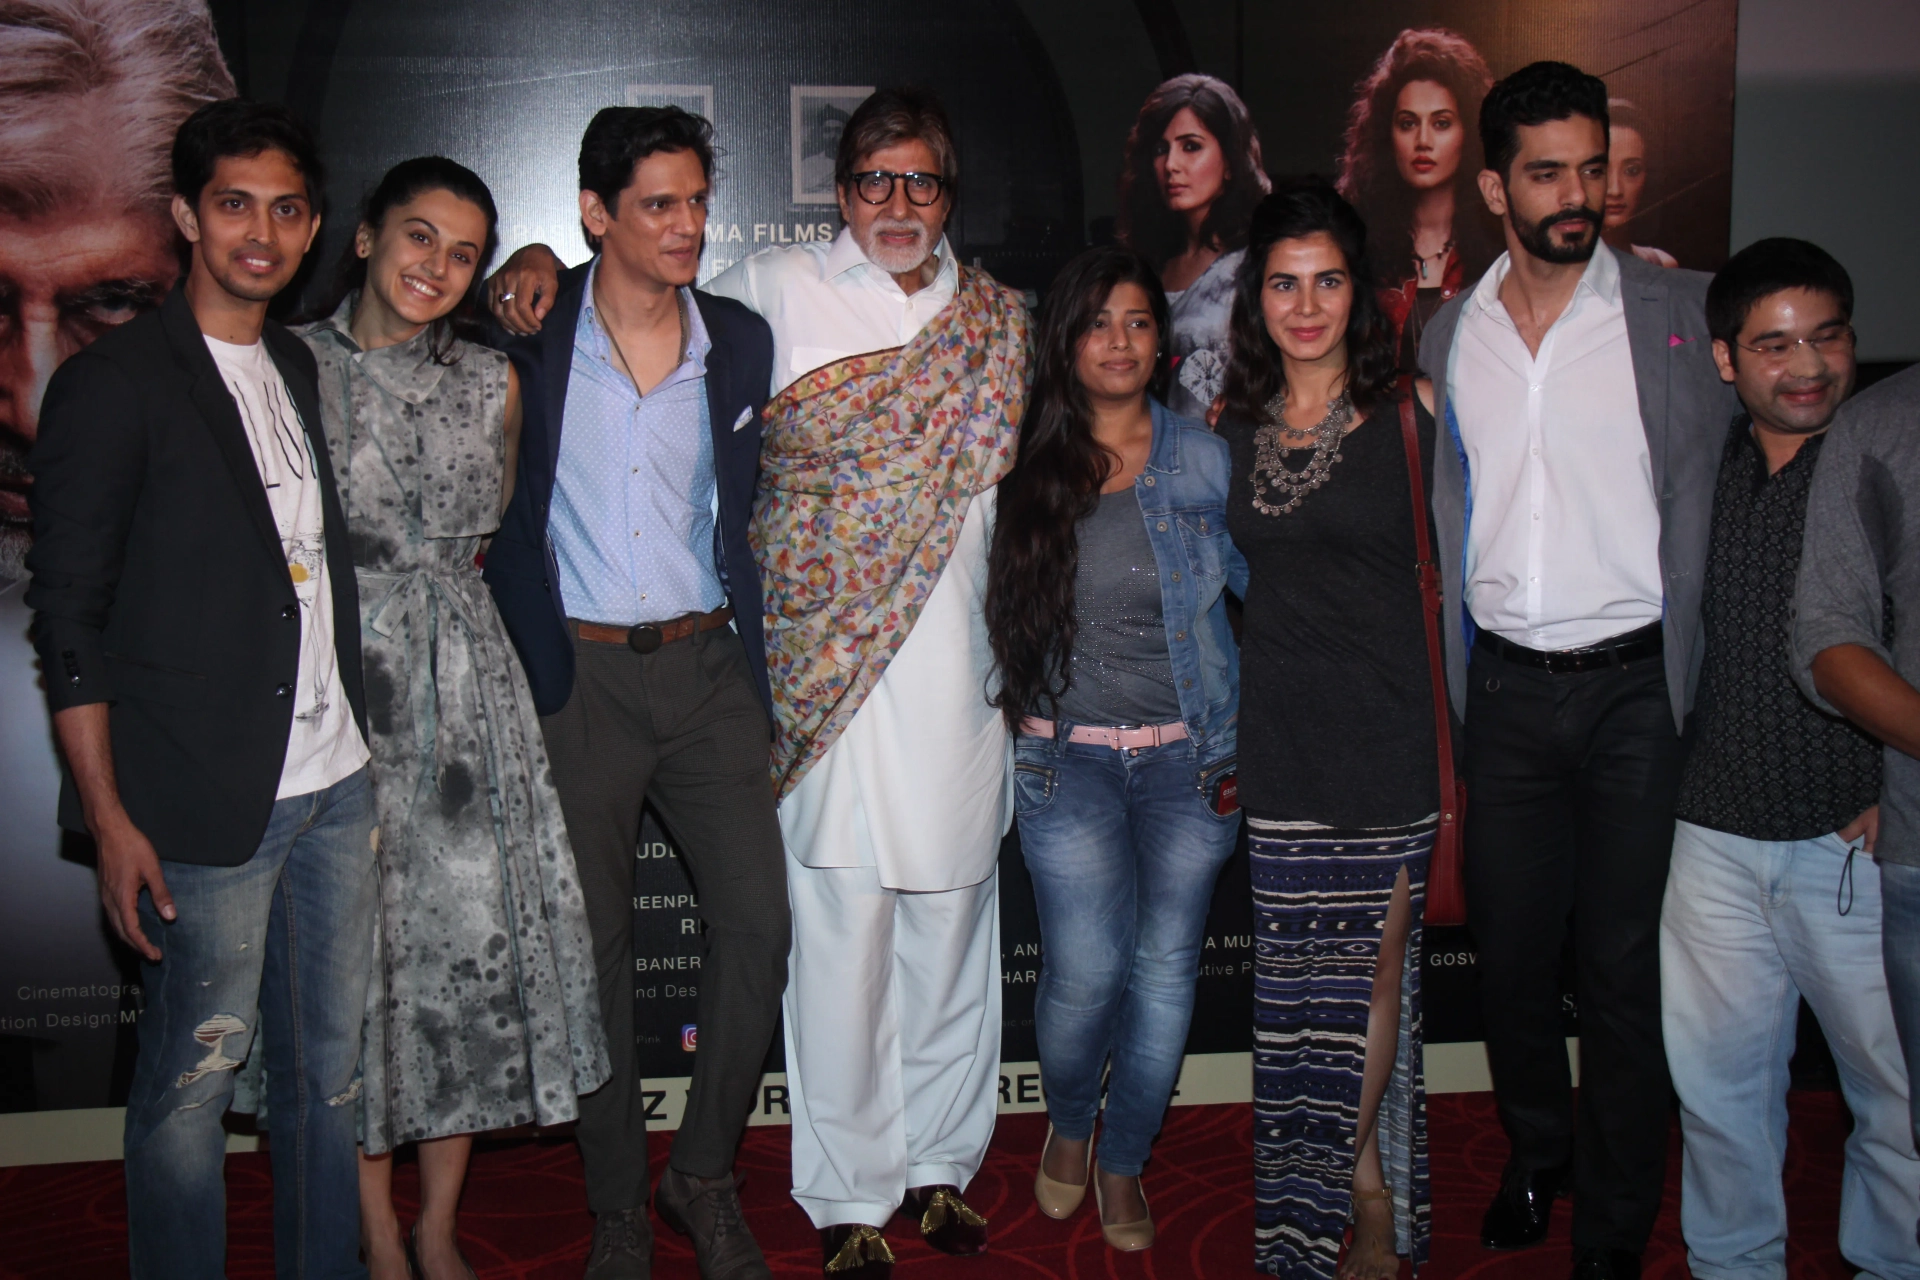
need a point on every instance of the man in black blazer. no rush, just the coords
(624, 577)
(198, 631)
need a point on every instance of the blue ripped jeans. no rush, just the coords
(1124, 851)
(282, 943)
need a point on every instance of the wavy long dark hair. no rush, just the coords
(1054, 484)
(1371, 180)
(407, 181)
(1255, 373)
(1145, 222)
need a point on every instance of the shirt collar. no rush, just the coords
(846, 255)
(404, 369)
(591, 336)
(1601, 279)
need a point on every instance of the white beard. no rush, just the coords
(897, 262)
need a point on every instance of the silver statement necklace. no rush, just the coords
(1275, 441)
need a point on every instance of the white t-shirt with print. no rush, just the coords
(325, 745)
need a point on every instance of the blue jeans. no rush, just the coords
(1747, 928)
(283, 942)
(1900, 950)
(1124, 850)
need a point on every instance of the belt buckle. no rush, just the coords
(644, 638)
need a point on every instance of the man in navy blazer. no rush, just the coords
(623, 574)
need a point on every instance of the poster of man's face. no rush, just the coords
(820, 115)
(93, 91)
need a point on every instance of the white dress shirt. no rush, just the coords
(1563, 528)
(920, 784)
(826, 302)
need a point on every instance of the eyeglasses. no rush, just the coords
(1833, 342)
(876, 186)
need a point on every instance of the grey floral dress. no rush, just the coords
(1200, 317)
(484, 1012)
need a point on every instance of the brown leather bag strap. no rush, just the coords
(1428, 570)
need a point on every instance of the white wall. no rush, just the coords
(1826, 146)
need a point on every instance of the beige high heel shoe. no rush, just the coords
(1127, 1237)
(1059, 1199)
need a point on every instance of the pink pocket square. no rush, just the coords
(1674, 340)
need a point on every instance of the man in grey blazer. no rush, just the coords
(1577, 389)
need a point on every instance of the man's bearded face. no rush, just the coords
(897, 235)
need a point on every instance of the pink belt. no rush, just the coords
(1148, 735)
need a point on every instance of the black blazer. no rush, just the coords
(160, 584)
(520, 565)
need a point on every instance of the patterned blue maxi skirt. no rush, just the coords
(1320, 897)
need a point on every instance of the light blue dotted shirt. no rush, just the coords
(633, 498)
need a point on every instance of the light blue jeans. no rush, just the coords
(1747, 928)
(1124, 851)
(1900, 947)
(284, 943)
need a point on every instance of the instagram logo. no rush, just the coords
(690, 1037)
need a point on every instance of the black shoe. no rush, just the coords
(1517, 1218)
(1605, 1264)
(707, 1211)
(855, 1251)
(622, 1246)
(946, 1221)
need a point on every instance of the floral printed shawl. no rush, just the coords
(868, 467)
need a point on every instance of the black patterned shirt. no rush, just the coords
(1766, 763)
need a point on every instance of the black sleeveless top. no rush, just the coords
(1336, 700)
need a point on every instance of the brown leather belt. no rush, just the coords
(649, 636)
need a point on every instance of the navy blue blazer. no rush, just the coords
(520, 566)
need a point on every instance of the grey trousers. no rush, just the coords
(683, 728)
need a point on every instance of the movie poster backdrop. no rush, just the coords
(1042, 95)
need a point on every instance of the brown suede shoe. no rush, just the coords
(946, 1221)
(622, 1246)
(707, 1211)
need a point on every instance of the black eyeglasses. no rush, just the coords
(876, 186)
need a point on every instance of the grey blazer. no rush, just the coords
(1685, 410)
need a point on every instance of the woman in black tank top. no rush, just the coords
(1338, 768)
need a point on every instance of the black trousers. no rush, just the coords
(1571, 785)
(681, 727)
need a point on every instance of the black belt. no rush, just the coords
(1644, 642)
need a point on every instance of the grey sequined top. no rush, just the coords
(1121, 672)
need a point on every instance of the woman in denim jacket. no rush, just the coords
(1119, 674)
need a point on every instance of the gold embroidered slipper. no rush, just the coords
(947, 1222)
(855, 1251)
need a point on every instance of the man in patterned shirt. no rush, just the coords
(1768, 897)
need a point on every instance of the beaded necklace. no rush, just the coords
(1270, 472)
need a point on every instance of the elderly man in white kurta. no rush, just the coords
(899, 381)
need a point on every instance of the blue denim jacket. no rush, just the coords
(1183, 495)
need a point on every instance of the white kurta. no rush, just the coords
(893, 998)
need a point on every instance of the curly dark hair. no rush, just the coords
(402, 184)
(1054, 484)
(1254, 370)
(1370, 180)
(1533, 95)
(619, 138)
(1145, 223)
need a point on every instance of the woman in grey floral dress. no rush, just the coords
(483, 1013)
(1188, 183)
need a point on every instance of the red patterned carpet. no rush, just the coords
(524, 1218)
